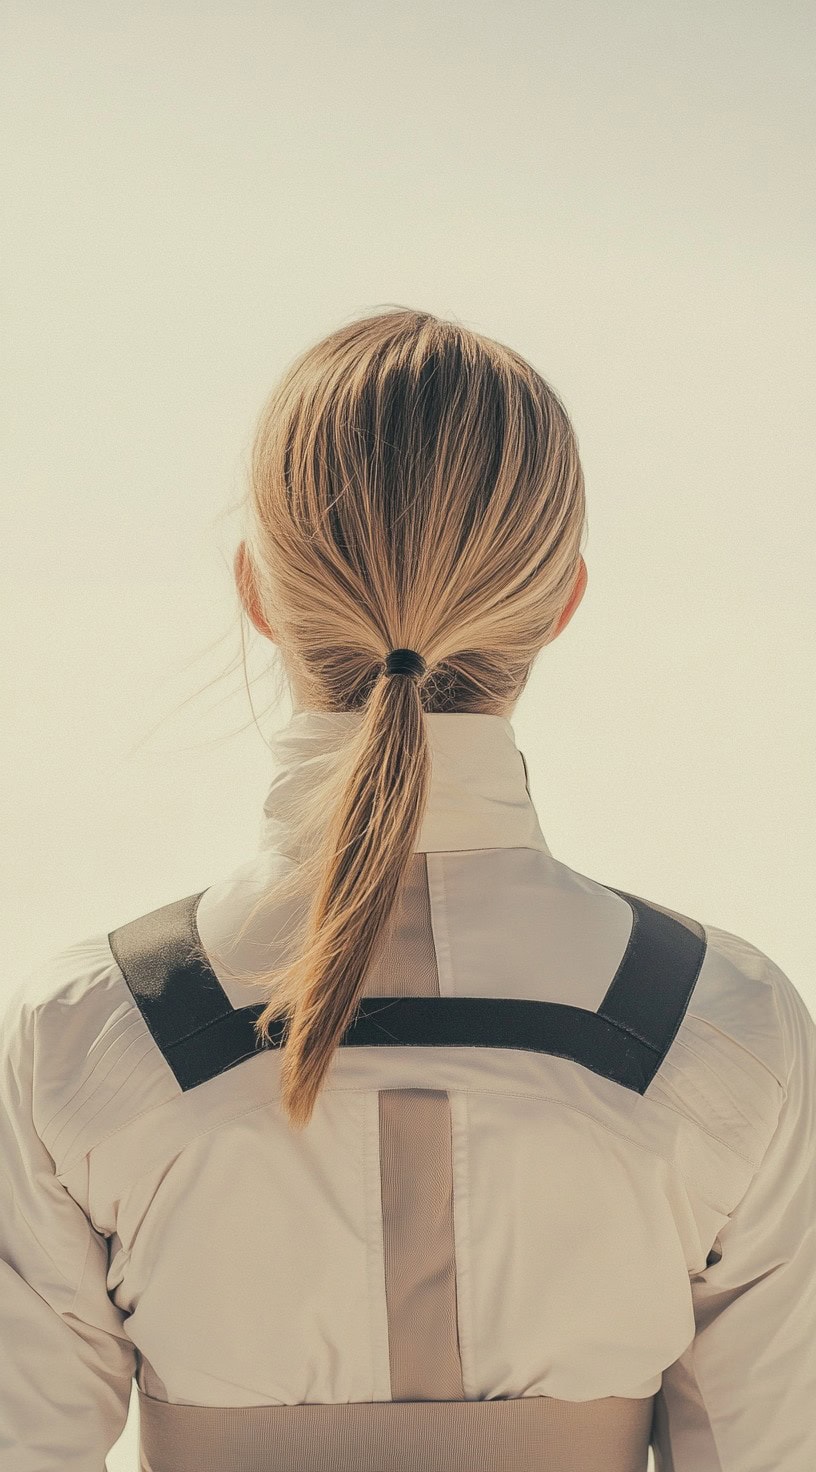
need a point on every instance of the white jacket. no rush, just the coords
(580, 1205)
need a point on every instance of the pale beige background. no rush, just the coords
(195, 191)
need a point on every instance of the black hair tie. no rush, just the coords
(404, 662)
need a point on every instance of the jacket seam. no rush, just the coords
(487, 1093)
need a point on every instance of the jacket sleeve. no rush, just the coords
(742, 1397)
(67, 1363)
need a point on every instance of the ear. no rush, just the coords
(248, 591)
(574, 598)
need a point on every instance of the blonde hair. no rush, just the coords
(412, 484)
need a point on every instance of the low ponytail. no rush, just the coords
(414, 483)
(367, 850)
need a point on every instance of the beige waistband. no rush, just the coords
(527, 1434)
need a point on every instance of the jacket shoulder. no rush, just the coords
(746, 1027)
(748, 995)
(73, 1026)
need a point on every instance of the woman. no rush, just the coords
(404, 1145)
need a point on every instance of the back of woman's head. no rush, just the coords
(413, 484)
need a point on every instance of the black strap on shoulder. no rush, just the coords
(201, 1034)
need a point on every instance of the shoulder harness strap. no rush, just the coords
(201, 1034)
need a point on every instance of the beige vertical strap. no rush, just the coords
(420, 1274)
(416, 1177)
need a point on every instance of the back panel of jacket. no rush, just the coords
(455, 1223)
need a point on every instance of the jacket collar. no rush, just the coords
(479, 795)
